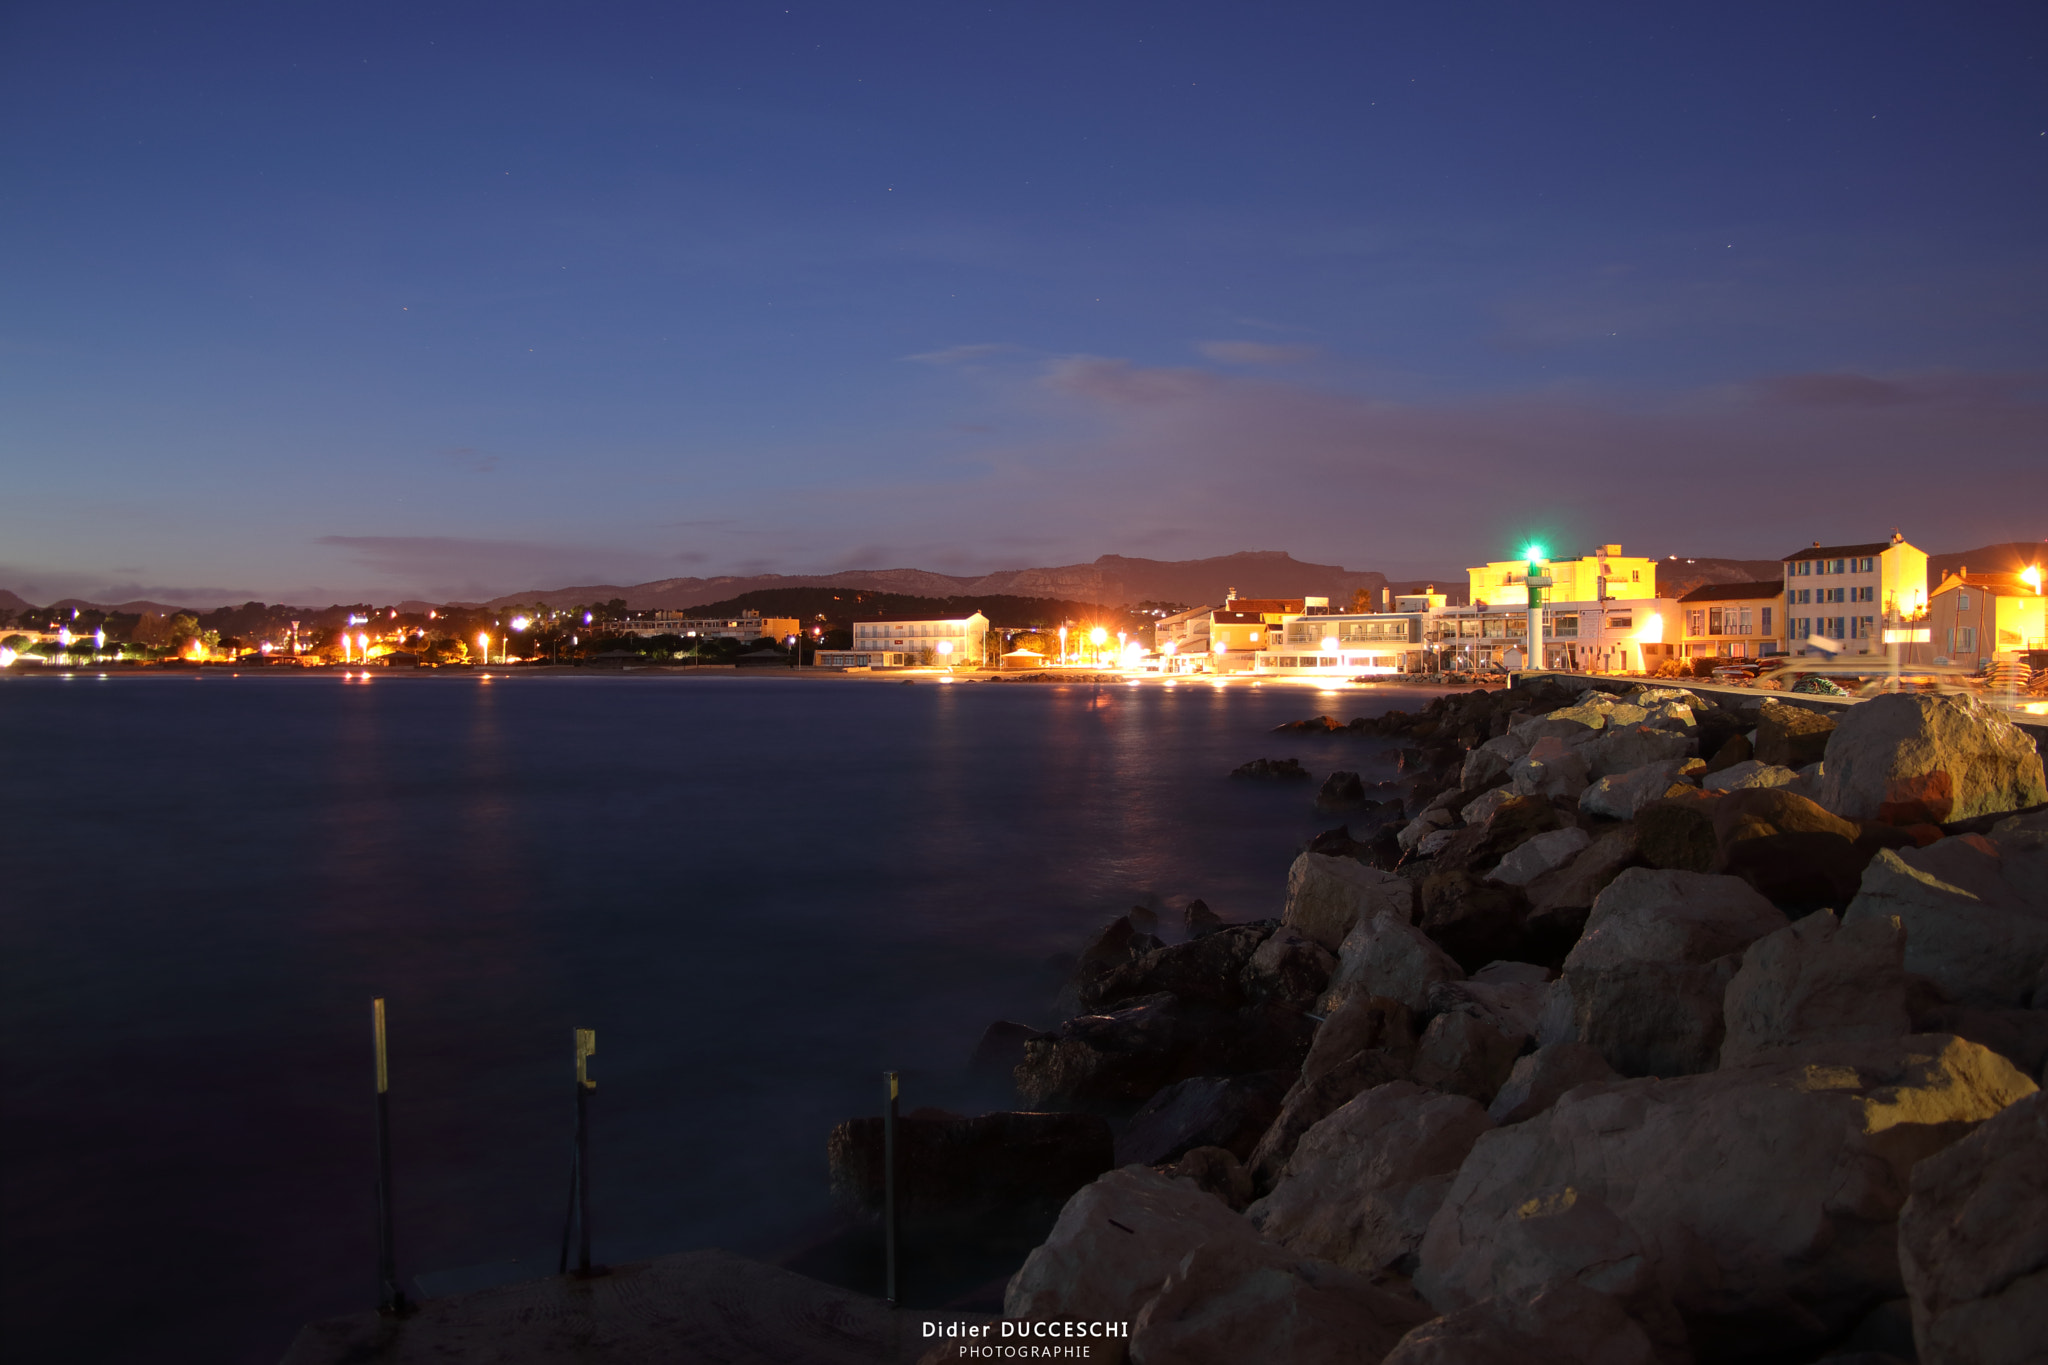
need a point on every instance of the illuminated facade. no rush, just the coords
(748, 626)
(961, 640)
(1733, 620)
(1606, 573)
(1844, 595)
(1973, 618)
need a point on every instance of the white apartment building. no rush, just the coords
(961, 640)
(1604, 636)
(748, 625)
(1838, 598)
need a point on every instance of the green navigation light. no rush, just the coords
(1535, 553)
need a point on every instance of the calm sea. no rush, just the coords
(759, 892)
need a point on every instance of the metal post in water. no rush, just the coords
(889, 1186)
(390, 1298)
(577, 1220)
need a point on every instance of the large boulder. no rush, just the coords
(1490, 762)
(1792, 736)
(2019, 1036)
(1326, 896)
(1552, 767)
(1313, 1098)
(1765, 1195)
(1618, 796)
(1130, 1054)
(1232, 1301)
(1363, 1183)
(1465, 1051)
(1564, 1234)
(1795, 853)
(1645, 982)
(955, 1168)
(1544, 853)
(1678, 832)
(1386, 955)
(1289, 968)
(1119, 943)
(1975, 911)
(1231, 1112)
(1209, 970)
(1631, 747)
(1973, 1243)
(1506, 827)
(1817, 979)
(1341, 791)
(1114, 1244)
(1474, 919)
(1539, 1078)
(1561, 899)
(1748, 776)
(1925, 756)
(1562, 1323)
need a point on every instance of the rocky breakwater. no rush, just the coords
(1591, 1057)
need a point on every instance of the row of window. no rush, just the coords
(1806, 568)
(899, 630)
(1834, 627)
(1803, 596)
(1728, 621)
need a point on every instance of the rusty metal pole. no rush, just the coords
(577, 1220)
(889, 1187)
(390, 1297)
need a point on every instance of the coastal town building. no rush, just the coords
(1183, 635)
(1972, 618)
(926, 640)
(1840, 598)
(748, 625)
(1243, 627)
(1427, 635)
(1606, 573)
(1732, 620)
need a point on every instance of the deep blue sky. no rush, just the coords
(305, 300)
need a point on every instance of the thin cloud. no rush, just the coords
(1256, 353)
(963, 355)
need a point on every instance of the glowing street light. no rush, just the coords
(483, 640)
(2031, 576)
(945, 654)
(1330, 646)
(1063, 644)
(521, 622)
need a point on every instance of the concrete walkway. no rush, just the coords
(697, 1308)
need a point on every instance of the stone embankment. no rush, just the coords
(1635, 1027)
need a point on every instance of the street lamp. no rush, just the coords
(1096, 637)
(1536, 583)
(1063, 644)
(946, 655)
(1330, 647)
(483, 639)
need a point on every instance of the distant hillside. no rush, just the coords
(1677, 575)
(2010, 557)
(841, 608)
(1112, 580)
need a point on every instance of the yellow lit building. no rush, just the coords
(1599, 576)
(1845, 594)
(1974, 617)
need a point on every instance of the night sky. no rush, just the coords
(318, 301)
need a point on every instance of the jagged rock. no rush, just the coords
(1209, 970)
(1543, 1075)
(1631, 747)
(1114, 1244)
(1645, 982)
(1975, 911)
(1272, 770)
(1973, 1243)
(955, 1168)
(1199, 919)
(1618, 796)
(1119, 943)
(1216, 1171)
(1510, 994)
(2019, 1036)
(1935, 757)
(1422, 826)
(1559, 1324)
(1315, 725)
(1551, 768)
(1363, 1022)
(1733, 750)
(1341, 791)
(1464, 1051)
(1289, 968)
(1232, 1301)
(1001, 1048)
(1563, 1234)
(1474, 920)
(1231, 1112)
(1746, 776)
(1591, 713)
(1511, 823)
(1490, 761)
(1792, 736)
(1677, 833)
(1364, 1182)
(1481, 808)
(1560, 900)
(1797, 855)
(1536, 729)
(1315, 1097)
(1530, 860)
(1434, 842)
(1146, 1044)
(1327, 896)
(1815, 979)
(1765, 1194)
(1386, 955)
